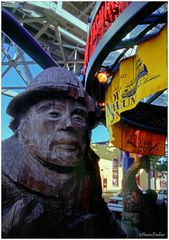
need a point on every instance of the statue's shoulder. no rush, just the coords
(9, 143)
(9, 147)
(11, 157)
(92, 162)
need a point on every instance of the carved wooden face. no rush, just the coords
(55, 131)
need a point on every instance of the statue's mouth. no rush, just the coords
(67, 145)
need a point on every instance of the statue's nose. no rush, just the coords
(66, 121)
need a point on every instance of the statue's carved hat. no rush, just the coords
(52, 82)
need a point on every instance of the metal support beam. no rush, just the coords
(9, 88)
(59, 11)
(58, 36)
(74, 67)
(19, 63)
(42, 30)
(69, 61)
(30, 20)
(13, 65)
(80, 49)
(25, 40)
(25, 67)
(72, 36)
(72, 54)
(5, 55)
(60, 3)
(11, 61)
(64, 32)
(80, 13)
(8, 93)
(86, 9)
(3, 38)
(154, 96)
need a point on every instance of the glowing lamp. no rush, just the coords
(102, 77)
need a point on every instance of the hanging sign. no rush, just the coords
(138, 77)
(138, 141)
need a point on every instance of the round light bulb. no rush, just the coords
(102, 77)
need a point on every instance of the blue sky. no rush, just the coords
(12, 78)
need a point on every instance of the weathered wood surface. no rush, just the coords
(38, 203)
(133, 201)
(44, 203)
(131, 192)
(50, 176)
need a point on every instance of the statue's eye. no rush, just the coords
(78, 118)
(54, 114)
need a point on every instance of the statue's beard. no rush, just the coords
(61, 148)
(63, 153)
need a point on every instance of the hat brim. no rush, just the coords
(23, 101)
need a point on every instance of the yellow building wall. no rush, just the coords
(107, 152)
(143, 179)
(120, 178)
(158, 184)
(106, 172)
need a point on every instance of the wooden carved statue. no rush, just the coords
(133, 199)
(142, 216)
(50, 177)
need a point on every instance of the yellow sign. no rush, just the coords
(138, 77)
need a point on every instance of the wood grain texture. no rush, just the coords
(40, 202)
